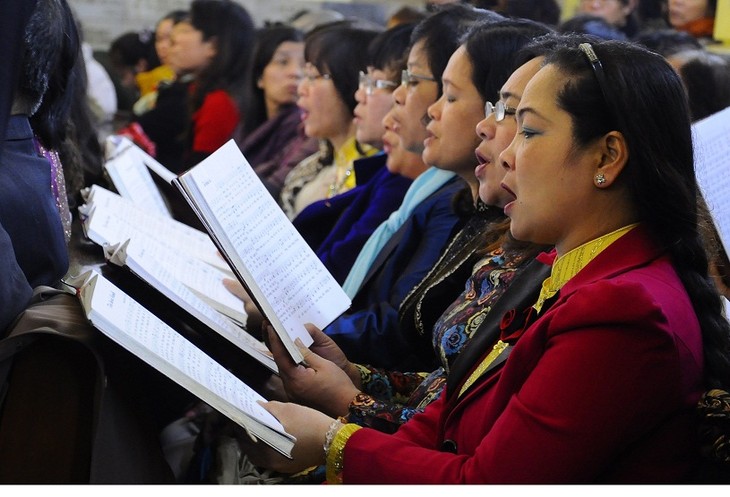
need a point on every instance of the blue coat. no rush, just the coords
(368, 333)
(337, 228)
(28, 209)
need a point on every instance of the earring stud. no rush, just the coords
(600, 179)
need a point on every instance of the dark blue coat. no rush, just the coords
(368, 333)
(28, 209)
(337, 228)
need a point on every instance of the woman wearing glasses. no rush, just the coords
(599, 379)
(337, 227)
(334, 55)
(482, 257)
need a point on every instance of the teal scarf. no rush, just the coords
(423, 186)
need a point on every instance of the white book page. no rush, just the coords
(711, 137)
(262, 241)
(203, 279)
(132, 179)
(145, 264)
(132, 326)
(113, 219)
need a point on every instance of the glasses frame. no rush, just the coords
(406, 77)
(311, 79)
(370, 85)
(500, 110)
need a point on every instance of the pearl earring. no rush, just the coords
(600, 179)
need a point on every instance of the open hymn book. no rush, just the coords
(134, 328)
(711, 140)
(280, 272)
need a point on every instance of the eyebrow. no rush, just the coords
(504, 95)
(528, 110)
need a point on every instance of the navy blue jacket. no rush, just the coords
(368, 333)
(337, 228)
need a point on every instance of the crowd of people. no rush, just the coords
(507, 195)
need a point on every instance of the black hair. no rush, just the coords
(52, 47)
(659, 174)
(175, 16)
(232, 28)
(706, 77)
(268, 40)
(389, 50)
(492, 47)
(667, 42)
(545, 11)
(54, 69)
(129, 48)
(340, 49)
(441, 34)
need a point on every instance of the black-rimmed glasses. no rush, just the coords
(370, 84)
(499, 109)
(408, 77)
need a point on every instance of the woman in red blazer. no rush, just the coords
(598, 381)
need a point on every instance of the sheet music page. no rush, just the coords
(283, 267)
(200, 277)
(145, 263)
(711, 137)
(134, 327)
(115, 219)
(132, 178)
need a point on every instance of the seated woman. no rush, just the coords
(604, 371)
(337, 227)
(33, 203)
(271, 135)
(150, 81)
(620, 14)
(215, 45)
(335, 53)
(696, 17)
(503, 272)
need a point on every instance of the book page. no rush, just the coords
(145, 264)
(109, 218)
(131, 177)
(133, 327)
(203, 279)
(279, 268)
(711, 137)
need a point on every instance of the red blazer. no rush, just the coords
(601, 388)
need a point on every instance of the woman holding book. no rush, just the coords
(604, 371)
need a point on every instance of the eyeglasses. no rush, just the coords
(311, 73)
(499, 109)
(407, 77)
(370, 84)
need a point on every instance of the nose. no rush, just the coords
(302, 87)
(434, 110)
(399, 95)
(507, 156)
(485, 128)
(360, 95)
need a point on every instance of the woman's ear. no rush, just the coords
(614, 156)
(212, 47)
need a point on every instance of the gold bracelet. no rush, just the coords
(336, 452)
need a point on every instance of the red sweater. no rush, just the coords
(214, 123)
